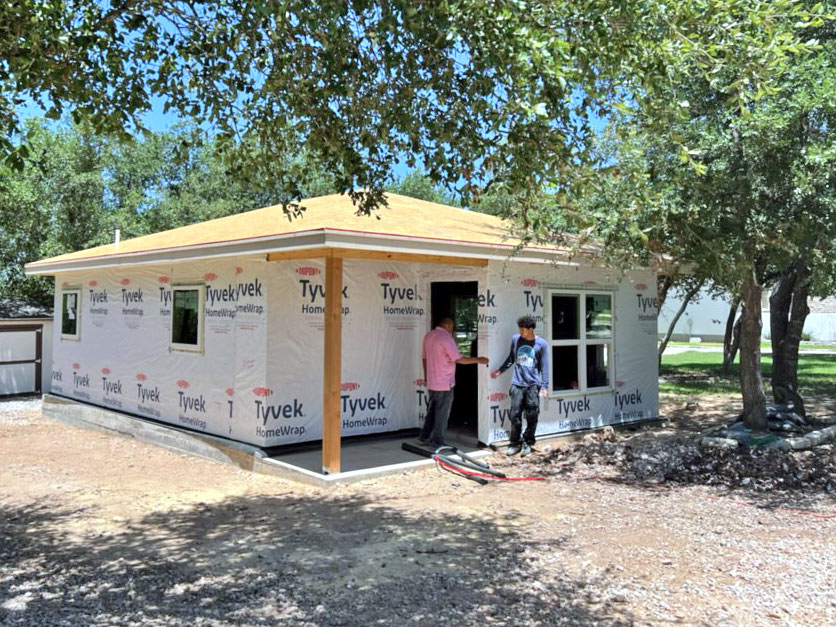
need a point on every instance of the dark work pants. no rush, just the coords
(524, 400)
(438, 412)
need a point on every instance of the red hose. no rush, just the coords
(461, 471)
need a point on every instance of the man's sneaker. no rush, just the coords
(513, 449)
(526, 450)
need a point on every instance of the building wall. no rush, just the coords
(520, 288)
(258, 378)
(19, 378)
(122, 358)
(706, 318)
(820, 324)
(386, 313)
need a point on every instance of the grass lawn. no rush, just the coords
(697, 373)
(764, 345)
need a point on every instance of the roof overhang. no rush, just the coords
(311, 241)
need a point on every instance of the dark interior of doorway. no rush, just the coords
(460, 301)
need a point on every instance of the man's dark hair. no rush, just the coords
(526, 322)
(445, 320)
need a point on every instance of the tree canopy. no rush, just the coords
(758, 198)
(479, 93)
(77, 187)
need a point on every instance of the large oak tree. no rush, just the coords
(755, 203)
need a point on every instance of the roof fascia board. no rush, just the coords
(298, 241)
(307, 240)
(396, 244)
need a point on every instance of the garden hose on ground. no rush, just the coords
(465, 466)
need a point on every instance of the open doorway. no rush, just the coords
(460, 301)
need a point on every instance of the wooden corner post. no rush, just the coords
(332, 374)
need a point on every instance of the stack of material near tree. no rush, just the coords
(781, 419)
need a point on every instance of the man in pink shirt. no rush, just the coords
(440, 358)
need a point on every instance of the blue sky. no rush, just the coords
(158, 121)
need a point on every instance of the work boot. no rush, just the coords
(513, 449)
(526, 450)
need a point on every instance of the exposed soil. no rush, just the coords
(104, 530)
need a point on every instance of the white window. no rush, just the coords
(70, 314)
(581, 338)
(187, 317)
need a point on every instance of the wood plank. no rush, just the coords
(39, 354)
(376, 255)
(304, 253)
(17, 362)
(15, 328)
(332, 373)
(381, 255)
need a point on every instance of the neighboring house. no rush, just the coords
(820, 324)
(25, 348)
(706, 319)
(275, 332)
(703, 320)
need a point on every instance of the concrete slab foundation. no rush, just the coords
(361, 459)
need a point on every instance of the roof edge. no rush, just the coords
(306, 240)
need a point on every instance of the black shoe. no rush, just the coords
(526, 450)
(423, 440)
(513, 449)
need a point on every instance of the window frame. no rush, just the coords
(582, 342)
(201, 317)
(77, 291)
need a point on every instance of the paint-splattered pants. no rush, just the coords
(524, 400)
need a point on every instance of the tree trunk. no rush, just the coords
(787, 312)
(688, 296)
(664, 283)
(735, 343)
(731, 339)
(751, 380)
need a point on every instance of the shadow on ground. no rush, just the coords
(283, 560)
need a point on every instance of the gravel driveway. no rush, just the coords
(103, 530)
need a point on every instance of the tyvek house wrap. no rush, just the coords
(258, 378)
(520, 288)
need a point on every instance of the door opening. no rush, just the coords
(460, 301)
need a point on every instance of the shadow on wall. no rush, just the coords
(287, 560)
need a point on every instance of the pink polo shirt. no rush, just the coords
(441, 353)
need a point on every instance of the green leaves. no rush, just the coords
(726, 191)
(482, 93)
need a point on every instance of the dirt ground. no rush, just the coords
(104, 530)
